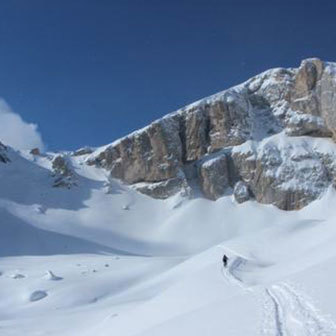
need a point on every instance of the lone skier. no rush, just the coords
(225, 260)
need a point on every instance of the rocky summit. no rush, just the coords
(270, 139)
(255, 140)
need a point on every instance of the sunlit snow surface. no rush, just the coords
(101, 259)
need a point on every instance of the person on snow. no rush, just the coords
(225, 260)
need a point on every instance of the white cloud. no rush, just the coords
(15, 132)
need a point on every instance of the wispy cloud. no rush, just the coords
(17, 133)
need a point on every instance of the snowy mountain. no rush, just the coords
(258, 138)
(128, 239)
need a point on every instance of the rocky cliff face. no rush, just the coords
(258, 139)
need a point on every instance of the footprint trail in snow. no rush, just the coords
(295, 315)
(287, 312)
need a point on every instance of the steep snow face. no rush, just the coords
(169, 156)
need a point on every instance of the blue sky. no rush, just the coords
(89, 72)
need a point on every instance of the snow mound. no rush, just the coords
(51, 276)
(37, 295)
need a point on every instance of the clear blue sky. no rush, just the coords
(89, 72)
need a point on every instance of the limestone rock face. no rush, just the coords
(229, 120)
(306, 124)
(306, 101)
(259, 138)
(328, 98)
(214, 176)
(294, 97)
(150, 155)
(284, 172)
(306, 89)
(196, 136)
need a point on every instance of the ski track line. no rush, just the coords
(288, 312)
(299, 317)
(278, 314)
(230, 275)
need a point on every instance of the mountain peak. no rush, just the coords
(172, 154)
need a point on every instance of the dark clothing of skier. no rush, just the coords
(225, 260)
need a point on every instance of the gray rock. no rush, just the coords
(230, 123)
(149, 155)
(306, 124)
(272, 87)
(164, 189)
(289, 175)
(3, 153)
(241, 192)
(82, 151)
(35, 151)
(214, 176)
(306, 80)
(196, 137)
(328, 98)
(60, 166)
(294, 97)
(244, 164)
(63, 175)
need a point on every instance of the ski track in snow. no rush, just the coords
(276, 319)
(295, 315)
(287, 312)
(229, 272)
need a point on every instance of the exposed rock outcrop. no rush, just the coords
(82, 151)
(164, 189)
(214, 176)
(153, 154)
(62, 173)
(35, 151)
(241, 192)
(230, 122)
(288, 173)
(328, 98)
(196, 137)
(3, 154)
(268, 113)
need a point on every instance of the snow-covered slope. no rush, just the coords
(101, 259)
(83, 253)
